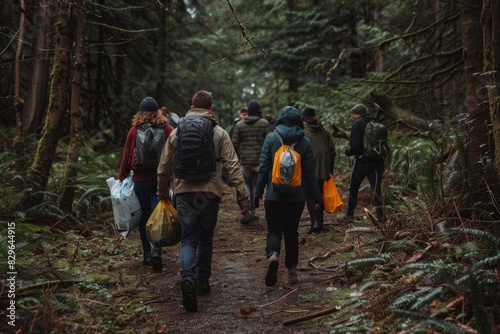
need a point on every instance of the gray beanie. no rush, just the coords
(359, 109)
(148, 104)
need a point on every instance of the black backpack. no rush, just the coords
(149, 143)
(194, 154)
(375, 140)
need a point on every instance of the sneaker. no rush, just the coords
(156, 259)
(146, 260)
(203, 289)
(292, 276)
(272, 269)
(189, 300)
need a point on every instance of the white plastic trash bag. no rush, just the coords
(126, 206)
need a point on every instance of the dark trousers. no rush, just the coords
(283, 222)
(361, 170)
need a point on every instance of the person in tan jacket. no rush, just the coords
(197, 202)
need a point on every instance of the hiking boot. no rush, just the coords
(146, 260)
(203, 289)
(156, 259)
(272, 269)
(189, 300)
(292, 276)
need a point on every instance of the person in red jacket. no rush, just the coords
(145, 179)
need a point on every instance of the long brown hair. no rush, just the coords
(149, 117)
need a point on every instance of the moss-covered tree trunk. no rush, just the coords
(18, 100)
(58, 99)
(77, 136)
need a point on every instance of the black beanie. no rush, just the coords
(253, 107)
(308, 111)
(359, 109)
(148, 104)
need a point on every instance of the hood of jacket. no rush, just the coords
(289, 125)
(250, 119)
(315, 127)
(203, 112)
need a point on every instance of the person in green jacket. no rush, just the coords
(323, 149)
(248, 137)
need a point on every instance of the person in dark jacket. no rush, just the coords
(324, 159)
(372, 168)
(283, 210)
(247, 139)
(145, 182)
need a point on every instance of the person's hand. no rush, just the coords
(245, 209)
(318, 204)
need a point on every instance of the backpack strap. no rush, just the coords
(281, 140)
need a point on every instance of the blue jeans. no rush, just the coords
(146, 193)
(283, 222)
(197, 217)
(250, 177)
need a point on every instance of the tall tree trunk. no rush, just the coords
(491, 32)
(44, 156)
(77, 136)
(162, 53)
(38, 97)
(477, 98)
(438, 88)
(18, 100)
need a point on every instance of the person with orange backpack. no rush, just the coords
(286, 169)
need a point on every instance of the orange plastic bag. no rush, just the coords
(331, 198)
(163, 225)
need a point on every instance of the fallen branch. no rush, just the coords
(310, 316)
(252, 310)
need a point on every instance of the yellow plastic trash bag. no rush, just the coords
(163, 225)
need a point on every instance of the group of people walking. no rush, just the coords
(246, 154)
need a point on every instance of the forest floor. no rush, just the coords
(103, 287)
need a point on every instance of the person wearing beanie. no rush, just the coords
(248, 137)
(371, 168)
(323, 149)
(145, 181)
(283, 210)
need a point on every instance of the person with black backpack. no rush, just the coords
(191, 162)
(143, 147)
(366, 164)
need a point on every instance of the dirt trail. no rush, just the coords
(240, 302)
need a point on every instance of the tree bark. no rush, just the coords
(77, 137)
(18, 100)
(476, 91)
(36, 103)
(46, 149)
(491, 34)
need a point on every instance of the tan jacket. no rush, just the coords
(226, 157)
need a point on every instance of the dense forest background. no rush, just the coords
(74, 72)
